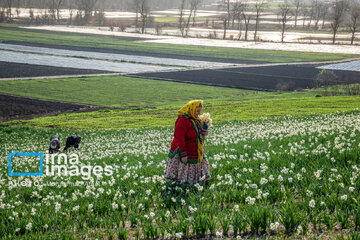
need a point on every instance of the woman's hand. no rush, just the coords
(204, 132)
(184, 160)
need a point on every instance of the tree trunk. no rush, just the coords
(256, 27)
(283, 32)
(239, 27)
(225, 26)
(247, 21)
(194, 16)
(143, 25)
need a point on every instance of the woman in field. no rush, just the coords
(187, 162)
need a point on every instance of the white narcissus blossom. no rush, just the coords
(236, 207)
(299, 229)
(114, 205)
(343, 197)
(312, 203)
(318, 174)
(167, 214)
(28, 226)
(274, 226)
(192, 209)
(309, 193)
(179, 235)
(76, 208)
(250, 200)
(263, 181)
(90, 207)
(57, 206)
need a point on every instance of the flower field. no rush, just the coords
(292, 176)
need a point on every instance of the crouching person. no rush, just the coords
(72, 141)
(54, 144)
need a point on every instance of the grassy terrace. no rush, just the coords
(220, 111)
(121, 91)
(137, 94)
(109, 42)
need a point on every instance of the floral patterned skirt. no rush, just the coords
(176, 171)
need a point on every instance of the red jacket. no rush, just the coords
(184, 138)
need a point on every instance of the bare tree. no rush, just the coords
(9, 4)
(305, 12)
(195, 5)
(237, 11)
(52, 11)
(259, 8)
(70, 6)
(337, 16)
(86, 6)
(247, 17)
(318, 11)
(18, 5)
(136, 8)
(311, 13)
(225, 7)
(354, 20)
(324, 13)
(189, 17)
(57, 4)
(283, 17)
(144, 13)
(181, 18)
(297, 5)
(228, 11)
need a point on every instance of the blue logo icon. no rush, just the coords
(40, 155)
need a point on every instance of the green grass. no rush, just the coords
(109, 42)
(220, 111)
(121, 91)
(118, 91)
(224, 104)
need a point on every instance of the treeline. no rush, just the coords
(306, 14)
(244, 16)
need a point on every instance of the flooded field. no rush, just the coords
(347, 66)
(110, 56)
(72, 62)
(293, 40)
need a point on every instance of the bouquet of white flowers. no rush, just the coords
(206, 120)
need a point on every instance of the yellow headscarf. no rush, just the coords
(189, 110)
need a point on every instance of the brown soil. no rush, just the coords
(16, 107)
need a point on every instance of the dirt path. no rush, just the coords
(15, 107)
